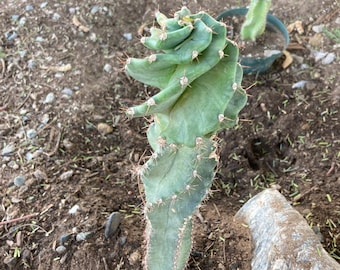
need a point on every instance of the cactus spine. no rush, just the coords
(200, 93)
(255, 22)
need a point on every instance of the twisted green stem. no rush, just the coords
(196, 70)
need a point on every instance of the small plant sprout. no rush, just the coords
(195, 99)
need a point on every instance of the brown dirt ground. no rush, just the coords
(286, 137)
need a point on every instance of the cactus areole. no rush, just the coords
(195, 67)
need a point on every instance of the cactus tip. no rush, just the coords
(184, 81)
(163, 35)
(151, 102)
(130, 112)
(161, 142)
(152, 58)
(221, 53)
(221, 117)
(194, 54)
(199, 142)
(234, 86)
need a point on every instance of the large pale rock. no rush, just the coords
(281, 237)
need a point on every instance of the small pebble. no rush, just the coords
(43, 5)
(82, 236)
(67, 91)
(128, 36)
(9, 148)
(67, 143)
(318, 55)
(112, 224)
(22, 53)
(45, 118)
(65, 238)
(74, 209)
(316, 75)
(39, 39)
(31, 64)
(300, 84)
(29, 156)
(29, 8)
(59, 75)
(318, 28)
(104, 128)
(66, 175)
(31, 133)
(93, 37)
(55, 17)
(19, 180)
(328, 59)
(22, 21)
(94, 10)
(15, 17)
(72, 10)
(60, 249)
(11, 35)
(122, 240)
(49, 98)
(107, 68)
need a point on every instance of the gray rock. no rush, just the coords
(31, 133)
(67, 91)
(282, 238)
(8, 149)
(22, 21)
(31, 64)
(74, 209)
(112, 224)
(66, 175)
(65, 238)
(29, 8)
(61, 249)
(82, 236)
(11, 35)
(55, 17)
(94, 9)
(43, 5)
(19, 180)
(107, 68)
(49, 98)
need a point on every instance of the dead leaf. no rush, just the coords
(78, 24)
(288, 61)
(296, 26)
(299, 27)
(291, 27)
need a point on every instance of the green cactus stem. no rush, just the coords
(195, 68)
(255, 22)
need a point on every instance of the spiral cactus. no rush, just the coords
(200, 93)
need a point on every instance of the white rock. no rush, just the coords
(282, 238)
